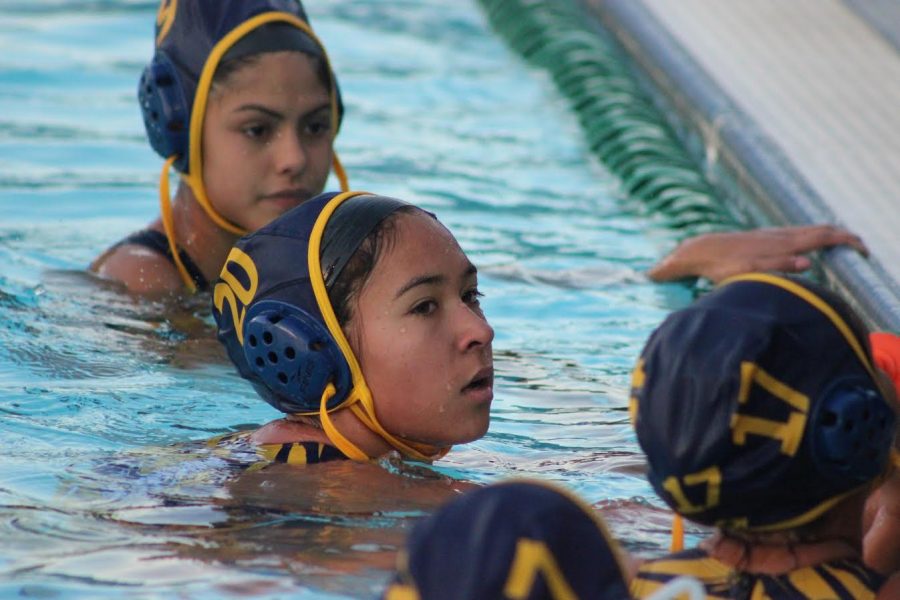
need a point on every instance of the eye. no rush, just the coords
(318, 126)
(471, 297)
(424, 308)
(256, 131)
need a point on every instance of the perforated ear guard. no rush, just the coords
(852, 430)
(165, 110)
(294, 356)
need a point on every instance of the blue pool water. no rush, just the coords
(106, 489)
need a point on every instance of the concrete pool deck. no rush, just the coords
(793, 109)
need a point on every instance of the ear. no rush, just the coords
(851, 431)
(165, 110)
(292, 353)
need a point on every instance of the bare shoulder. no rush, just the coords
(283, 431)
(140, 269)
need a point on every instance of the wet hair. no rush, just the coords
(270, 38)
(361, 264)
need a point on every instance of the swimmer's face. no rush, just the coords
(422, 341)
(267, 138)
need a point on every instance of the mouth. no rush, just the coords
(288, 197)
(482, 381)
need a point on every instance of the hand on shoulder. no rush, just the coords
(717, 256)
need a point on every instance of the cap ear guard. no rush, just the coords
(165, 110)
(851, 433)
(294, 356)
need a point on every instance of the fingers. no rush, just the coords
(784, 263)
(815, 237)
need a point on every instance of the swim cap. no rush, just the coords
(517, 539)
(277, 323)
(757, 406)
(193, 37)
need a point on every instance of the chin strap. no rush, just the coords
(340, 173)
(677, 544)
(168, 221)
(360, 403)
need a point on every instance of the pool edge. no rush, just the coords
(742, 163)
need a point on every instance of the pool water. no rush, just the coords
(107, 488)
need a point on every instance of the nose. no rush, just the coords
(290, 154)
(475, 332)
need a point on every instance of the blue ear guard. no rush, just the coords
(294, 356)
(165, 110)
(851, 433)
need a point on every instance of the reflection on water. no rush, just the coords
(106, 485)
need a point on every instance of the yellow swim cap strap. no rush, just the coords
(415, 450)
(349, 449)
(165, 209)
(340, 173)
(677, 544)
(196, 182)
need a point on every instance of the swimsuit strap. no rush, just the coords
(300, 453)
(157, 241)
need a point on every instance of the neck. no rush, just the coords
(837, 535)
(205, 242)
(774, 558)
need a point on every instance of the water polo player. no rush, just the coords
(762, 414)
(240, 99)
(358, 316)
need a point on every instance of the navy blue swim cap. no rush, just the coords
(276, 320)
(758, 406)
(517, 539)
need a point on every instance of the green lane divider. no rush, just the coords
(622, 126)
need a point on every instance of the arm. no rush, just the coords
(720, 255)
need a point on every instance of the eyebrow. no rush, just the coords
(278, 115)
(432, 280)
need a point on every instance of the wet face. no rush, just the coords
(420, 336)
(267, 138)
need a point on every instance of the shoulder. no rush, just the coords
(140, 269)
(283, 431)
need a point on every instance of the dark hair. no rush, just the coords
(362, 263)
(271, 37)
(228, 67)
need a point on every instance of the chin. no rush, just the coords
(475, 433)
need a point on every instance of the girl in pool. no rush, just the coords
(358, 316)
(241, 100)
